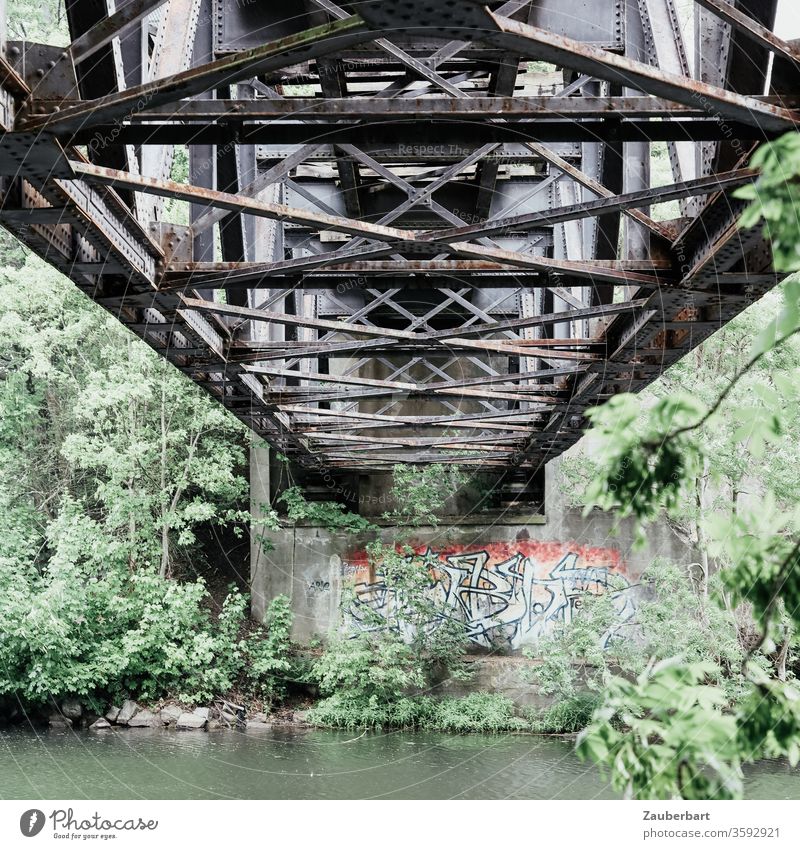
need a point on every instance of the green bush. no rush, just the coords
(368, 678)
(484, 712)
(478, 712)
(87, 625)
(568, 716)
(421, 492)
(437, 640)
(267, 653)
(377, 665)
(331, 515)
(74, 631)
(673, 621)
(345, 710)
(79, 630)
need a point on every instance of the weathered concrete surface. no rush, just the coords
(507, 676)
(511, 577)
(260, 562)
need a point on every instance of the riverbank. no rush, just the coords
(479, 712)
(219, 714)
(495, 693)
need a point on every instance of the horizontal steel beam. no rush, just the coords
(442, 137)
(411, 336)
(419, 108)
(347, 276)
(458, 389)
(236, 203)
(400, 239)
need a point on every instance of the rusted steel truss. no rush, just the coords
(416, 231)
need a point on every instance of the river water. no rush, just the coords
(312, 764)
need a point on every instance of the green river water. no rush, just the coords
(312, 764)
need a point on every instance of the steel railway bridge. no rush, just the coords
(415, 231)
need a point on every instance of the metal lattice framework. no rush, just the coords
(418, 231)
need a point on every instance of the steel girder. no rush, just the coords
(410, 238)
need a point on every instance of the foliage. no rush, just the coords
(420, 492)
(478, 712)
(369, 674)
(377, 665)
(671, 620)
(644, 474)
(350, 711)
(173, 210)
(330, 515)
(437, 640)
(92, 418)
(267, 652)
(767, 721)
(540, 67)
(669, 734)
(86, 627)
(566, 716)
(486, 712)
(111, 463)
(44, 21)
(774, 198)
(89, 627)
(578, 654)
(649, 731)
(415, 639)
(762, 547)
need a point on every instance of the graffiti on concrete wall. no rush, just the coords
(507, 594)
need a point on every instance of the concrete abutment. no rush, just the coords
(510, 576)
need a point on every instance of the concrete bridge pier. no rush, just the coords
(511, 576)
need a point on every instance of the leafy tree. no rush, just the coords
(33, 20)
(682, 740)
(90, 416)
(650, 730)
(111, 461)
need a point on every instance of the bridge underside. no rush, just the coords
(414, 231)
